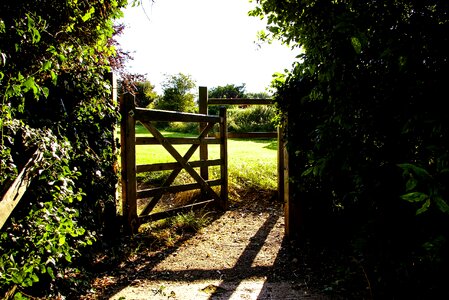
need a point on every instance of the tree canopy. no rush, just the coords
(367, 131)
(228, 91)
(177, 93)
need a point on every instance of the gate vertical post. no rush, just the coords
(224, 159)
(202, 102)
(280, 164)
(292, 207)
(128, 161)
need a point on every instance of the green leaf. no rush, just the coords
(356, 44)
(88, 15)
(47, 65)
(30, 84)
(19, 296)
(411, 184)
(54, 77)
(50, 272)
(415, 197)
(442, 204)
(424, 207)
(421, 172)
(45, 91)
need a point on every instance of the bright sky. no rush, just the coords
(211, 40)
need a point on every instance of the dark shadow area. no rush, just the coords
(288, 269)
(130, 269)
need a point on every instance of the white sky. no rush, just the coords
(211, 40)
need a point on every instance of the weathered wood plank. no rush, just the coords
(280, 164)
(177, 141)
(128, 161)
(174, 189)
(18, 188)
(175, 165)
(147, 115)
(204, 153)
(224, 159)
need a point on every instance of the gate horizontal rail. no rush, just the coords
(18, 187)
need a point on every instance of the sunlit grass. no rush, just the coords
(251, 163)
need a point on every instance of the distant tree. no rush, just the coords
(228, 91)
(144, 93)
(177, 93)
(260, 95)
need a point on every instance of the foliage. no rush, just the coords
(47, 228)
(184, 127)
(145, 94)
(259, 95)
(177, 94)
(229, 91)
(257, 118)
(365, 109)
(56, 97)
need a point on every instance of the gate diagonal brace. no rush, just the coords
(171, 178)
(184, 163)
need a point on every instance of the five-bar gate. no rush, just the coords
(147, 117)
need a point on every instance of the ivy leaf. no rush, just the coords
(47, 65)
(88, 15)
(356, 44)
(411, 184)
(45, 91)
(30, 84)
(415, 197)
(424, 207)
(421, 172)
(442, 204)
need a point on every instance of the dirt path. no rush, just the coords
(240, 255)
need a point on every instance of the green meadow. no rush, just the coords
(251, 162)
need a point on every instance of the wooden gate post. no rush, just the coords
(202, 102)
(224, 159)
(292, 208)
(128, 160)
(281, 162)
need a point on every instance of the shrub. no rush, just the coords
(56, 98)
(257, 118)
(183, 127)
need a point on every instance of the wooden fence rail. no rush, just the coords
(18, 188)
(130, 194)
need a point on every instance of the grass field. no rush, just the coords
(251, 163)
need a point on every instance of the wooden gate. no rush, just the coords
(130, 115)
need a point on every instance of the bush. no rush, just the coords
(55, 97)
(257, 118)
(183, 127)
